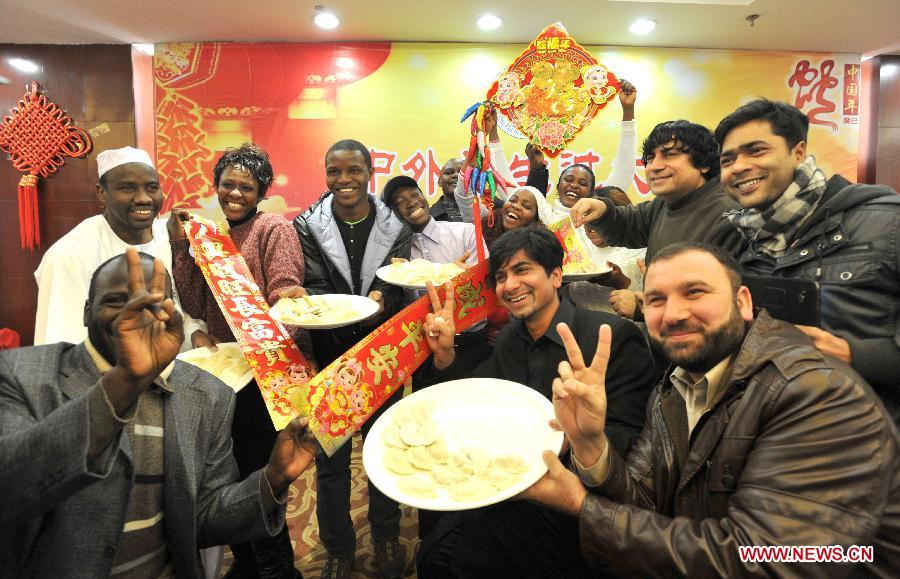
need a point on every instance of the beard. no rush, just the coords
(718, 344)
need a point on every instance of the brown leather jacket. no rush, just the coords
(796, 450)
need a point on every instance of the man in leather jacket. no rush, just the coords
(844, 237)
(754, 438)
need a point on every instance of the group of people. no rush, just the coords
(695, 424)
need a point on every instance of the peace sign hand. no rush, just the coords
(440, 331)
(148, 331)
(579, 396)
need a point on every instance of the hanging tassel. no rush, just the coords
(479, 234)
(29, 225)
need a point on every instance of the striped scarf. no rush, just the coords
(774, 227)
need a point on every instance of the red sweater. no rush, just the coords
(270, 247)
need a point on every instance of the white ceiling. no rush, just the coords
(867, 27)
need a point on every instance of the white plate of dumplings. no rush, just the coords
(461, 445)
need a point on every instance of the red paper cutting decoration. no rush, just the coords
(38, 135)
(553, 90)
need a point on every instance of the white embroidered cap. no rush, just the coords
(112, 158)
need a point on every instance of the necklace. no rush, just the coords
(357, 222)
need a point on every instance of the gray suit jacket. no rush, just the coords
(63, 517)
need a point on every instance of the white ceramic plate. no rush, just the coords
(236, 375)
(499, 416)
(388, 274)
(339, 310)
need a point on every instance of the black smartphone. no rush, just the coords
(789, 299)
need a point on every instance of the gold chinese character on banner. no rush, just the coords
(470, 296)
(232, 288)
(384, 360)
(245, 308)
(413, 332)
(273, 351)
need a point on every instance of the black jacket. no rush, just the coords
(851, 248)
(328, 269)
(629, 380)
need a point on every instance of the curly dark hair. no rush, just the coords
(691, 138)
(252, 159)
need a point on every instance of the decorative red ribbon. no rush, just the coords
(280, 369)
(346, 393)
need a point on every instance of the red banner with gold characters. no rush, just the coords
(346, 393)
(553, 90)
(281, 371)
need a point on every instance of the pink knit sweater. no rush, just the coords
(270, 247)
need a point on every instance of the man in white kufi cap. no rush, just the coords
(131, 196)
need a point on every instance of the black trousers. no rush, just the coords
(513, 539)
(333, 497)
(253, 436)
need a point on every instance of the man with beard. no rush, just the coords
(128, 188)
(753, 438)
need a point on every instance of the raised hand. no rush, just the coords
(535, 156)
(627, 97)
(490, 122)
(176, 216)
(586, 210)
(147, 332)
(294, 450)
(440, 330)
(579, 396)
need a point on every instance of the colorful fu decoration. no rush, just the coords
(553, 90)
(38, 136)
(479, 178)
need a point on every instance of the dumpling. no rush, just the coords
(481, 460)
(415, 434)
(395, 460)
(391, 437)
(423, 412)
(502, 479)
(447, 477)
(461, 463)
(510, 463)
(403, 414)
(472, 490)
(417, 486)
(438, 451)
(418, 457)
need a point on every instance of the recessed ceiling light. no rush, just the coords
(642, 26)
(23, 65)
(489, 22)
(325, 19)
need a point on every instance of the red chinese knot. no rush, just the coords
(39, 136)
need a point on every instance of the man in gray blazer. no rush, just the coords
(115, 458)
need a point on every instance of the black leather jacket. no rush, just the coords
(851, 248)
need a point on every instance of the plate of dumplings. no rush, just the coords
(461, 445)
